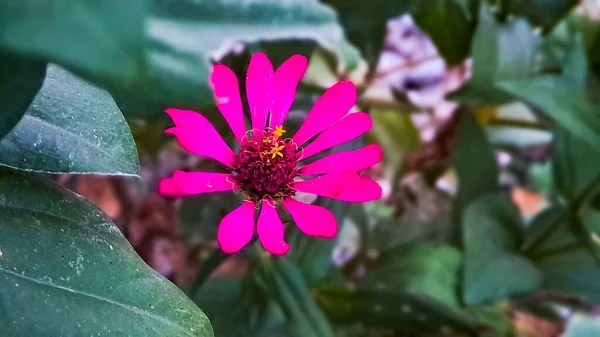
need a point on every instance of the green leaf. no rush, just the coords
(563, 97)
(573, 271)
(475, 165)
(580, 325)
(575, 163)
(283, 282)
(449, 24)
(102, 40)
(541, 12)
(492, 237)
(365, 23)
(20, 80)
(71, 127)
(66, 270)
(394, 309)
(500, 51)
(428, 269)
(542, 226)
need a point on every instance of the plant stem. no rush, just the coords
(213, 262)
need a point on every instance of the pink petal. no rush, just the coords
(286, 80)
(237, 228)
(168, 187)
(259, 89)
(329, 185)
(202, 182)
(313, 220)
(356, 160)
(329, 108)
(350, 127)
(367, 190)
(270, 230)
(195, 134)
(227, 95)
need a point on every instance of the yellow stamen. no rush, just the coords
(279, 131)
(277, 151)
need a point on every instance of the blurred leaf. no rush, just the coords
(580, 325)
(200, 215)
(20, 80)
(575, 163)
(66, 270)
(428, 269)
(365, 23)
(283, 283)
(103, 40)
(475, 165)
(563, 97)
(500, 51)
(71, 127)
(542, 226)
(393, 309)
(573, 271)
(541, 12)
(492, 237)
(449, 24)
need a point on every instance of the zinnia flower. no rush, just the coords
(266, 168)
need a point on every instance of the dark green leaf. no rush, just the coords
(541, 12)
(101, 39)
(575, 163)
(500, 51)
(283, 282)
(393, 309)
(365, 23)
(428, 269)
(542, 226)
(20, 80)
(66, 270)
(475, 165)
(492, 237)
(580, 325)
(71, 127)
(449, 24)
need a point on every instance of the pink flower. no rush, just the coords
(266, 169)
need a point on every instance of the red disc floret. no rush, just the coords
(266, 166)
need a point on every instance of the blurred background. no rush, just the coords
(488, 114)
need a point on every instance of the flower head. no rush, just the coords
(267, 168)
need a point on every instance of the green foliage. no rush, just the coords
(65, 269)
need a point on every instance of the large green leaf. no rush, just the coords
(449, 23)
(428, 269)
(475, 165)
(283, 283)
(575, 163)
(545, 13)
(66, 270)
(500, 51)
(389, 308)
(492, 237)
(71, 127)
(102, 39)
(20, 80)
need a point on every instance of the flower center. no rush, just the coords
(266, 165)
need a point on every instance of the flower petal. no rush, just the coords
(270, 230)
(367, 190)
(350, 127)
(356, 160)
(237, 228)
(227, 95)
(168, 187)
(329, 108)
(202, 182)
(313, 220)
(259, 89)
(195, 134)
(285, 81)
(329, 185)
